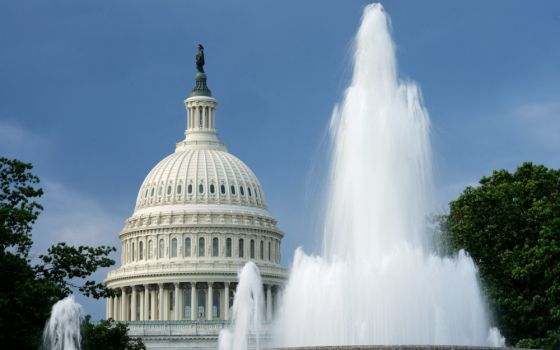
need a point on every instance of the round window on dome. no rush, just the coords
(212, 189)
(189, 188)
(223, 189)
(232, 189)
(249, 191)
(179, 189)
(241, 190)
(201, 188)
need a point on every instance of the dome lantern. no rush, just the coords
(201, 113)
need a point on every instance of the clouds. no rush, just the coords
(21, 142)
(76, 218)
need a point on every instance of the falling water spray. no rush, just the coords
(377, 281)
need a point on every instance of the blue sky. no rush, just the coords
(92, 94)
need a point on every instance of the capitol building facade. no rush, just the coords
(200, 215)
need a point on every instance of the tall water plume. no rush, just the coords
(377, 281)
(247, 312)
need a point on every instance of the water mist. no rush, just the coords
(377, 281)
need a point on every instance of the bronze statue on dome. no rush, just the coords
(200, 59)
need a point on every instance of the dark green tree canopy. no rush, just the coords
(510, 225)
(108, 335)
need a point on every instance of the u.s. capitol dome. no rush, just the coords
(200, 215)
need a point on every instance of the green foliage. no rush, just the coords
(510, 225)
(108, 335)
(18, 212)
(27, 291)
(63, 264)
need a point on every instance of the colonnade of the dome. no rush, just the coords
(174, 301)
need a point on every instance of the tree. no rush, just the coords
(510, 225)
(28, 290)
(108, 335)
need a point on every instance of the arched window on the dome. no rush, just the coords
(179, 189)
(140, 250)
(161, 248)
(232, 189)
(189, 188)
(132, 251)
(268, 250)
(241, 190)
(249, 191)
(200, 188)
(168, 190)
(228, 247)
(160, 190)
(241, 247)
(201, 246)
(152, 194)
(212, 188)
(261, 251)
(146, 193)
(252, 249)
(215, 244)
(200, 118)
(150, 249)
(174, 248)
(187, 248)
(223, 189)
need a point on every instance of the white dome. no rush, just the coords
(200, 176)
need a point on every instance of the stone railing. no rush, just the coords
(191, 267)
(182, 328)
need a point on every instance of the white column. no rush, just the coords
(181, 303)
(108, 307)
(146, 314)
(115, 307)
(176, 304)
(133, 304)
(160, 303)
(165, 304)
(141, 306)
(153, 305)
(226, 303)
(123, 304)
(209, 304)
(268, 302)
(194, 306)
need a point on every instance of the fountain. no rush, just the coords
(62, 331)
(247, 312)
(378, 280)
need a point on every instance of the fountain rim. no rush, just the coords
(394, 347)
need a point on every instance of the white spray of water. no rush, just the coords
(247, 311)
(62, 331)
(377, 281)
